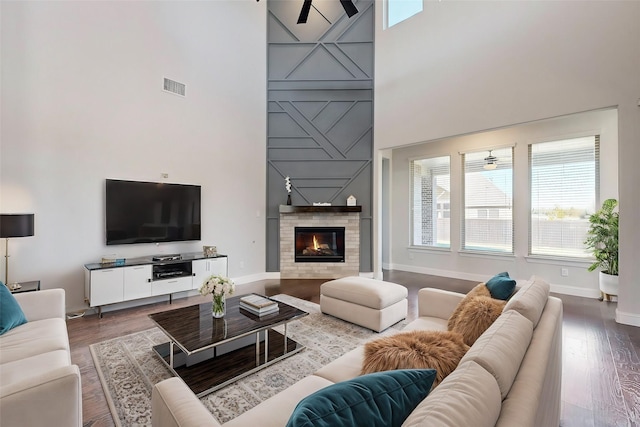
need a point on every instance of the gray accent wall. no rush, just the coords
(320, 113)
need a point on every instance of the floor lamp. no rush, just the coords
(14, 225)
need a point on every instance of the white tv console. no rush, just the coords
(145, 277)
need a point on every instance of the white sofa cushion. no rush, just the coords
(427, 324)
(540, 376)
(530, 299)
(275, 411)
(52, 399)
(345, 367)
(174, 405)
(437, 302)
(469, 396)
(501, 348)
(33, 338)
(33, 367)
(44, 304)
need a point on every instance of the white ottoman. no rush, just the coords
(371, 303)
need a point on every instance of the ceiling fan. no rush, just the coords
(490, 162)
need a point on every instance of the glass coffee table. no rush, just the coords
(209, 353)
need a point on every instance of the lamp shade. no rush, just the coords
(16, 225)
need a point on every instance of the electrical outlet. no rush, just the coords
(164, 175)
(564, 272)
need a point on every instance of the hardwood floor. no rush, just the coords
(601, 359)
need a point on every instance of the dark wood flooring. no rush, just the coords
(601, 364)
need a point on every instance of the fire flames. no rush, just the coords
(317, 248)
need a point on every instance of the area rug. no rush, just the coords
(128, 368)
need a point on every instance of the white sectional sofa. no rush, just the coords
(510, 376)
(38, 384)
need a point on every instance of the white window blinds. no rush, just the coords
(430, 202)
(564, 189)
(488, 201)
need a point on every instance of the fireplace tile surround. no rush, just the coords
(319, 216)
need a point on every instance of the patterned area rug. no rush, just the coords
(128, 367)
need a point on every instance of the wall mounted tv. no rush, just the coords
(151, 212)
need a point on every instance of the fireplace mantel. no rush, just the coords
(284, 209)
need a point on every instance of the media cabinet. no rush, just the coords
(147, 277)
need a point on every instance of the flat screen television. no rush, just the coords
(151, 212)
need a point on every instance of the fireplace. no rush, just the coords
(319, 244)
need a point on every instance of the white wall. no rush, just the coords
(464, 67)
(82, 101)
(453, 263)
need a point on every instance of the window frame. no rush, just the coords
(435, 207)
(386, 13)
(563, 258)
(463, 210)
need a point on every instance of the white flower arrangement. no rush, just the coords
(287, 184)
(217, 285)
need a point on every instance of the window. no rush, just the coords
(399, 10)
(564, 190)
(431, 188)
(488, 202)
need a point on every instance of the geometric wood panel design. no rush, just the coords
(320, 112)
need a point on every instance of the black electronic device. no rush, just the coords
(171, 270)
(171, 257)
(151, 212)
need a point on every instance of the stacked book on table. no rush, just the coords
(258, 304)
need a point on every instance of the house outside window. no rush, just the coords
(487, 224)
(430, 210)
(563, 178)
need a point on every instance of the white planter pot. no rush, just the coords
(608, 284)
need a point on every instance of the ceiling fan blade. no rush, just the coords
(304, 13)
(349, 7)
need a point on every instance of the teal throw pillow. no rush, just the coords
(380, 399)
(501, 286)
(11, 314)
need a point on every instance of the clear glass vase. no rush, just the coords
(219, 307)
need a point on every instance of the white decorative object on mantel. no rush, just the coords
(321, 204)
(351, 201)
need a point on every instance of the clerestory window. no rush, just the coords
(399, 10)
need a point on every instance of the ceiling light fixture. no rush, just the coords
(490, 162)
(348, 6)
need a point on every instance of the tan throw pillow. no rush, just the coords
(439, 350)
(479, 290)
(476, 316)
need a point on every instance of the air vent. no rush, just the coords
(175, 87)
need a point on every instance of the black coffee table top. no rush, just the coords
(194, 329)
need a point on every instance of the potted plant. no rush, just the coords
(602, 240)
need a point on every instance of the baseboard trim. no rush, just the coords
(630, 319)
(438, 272)
(256, 277)
(575, 291)
(559, 289)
